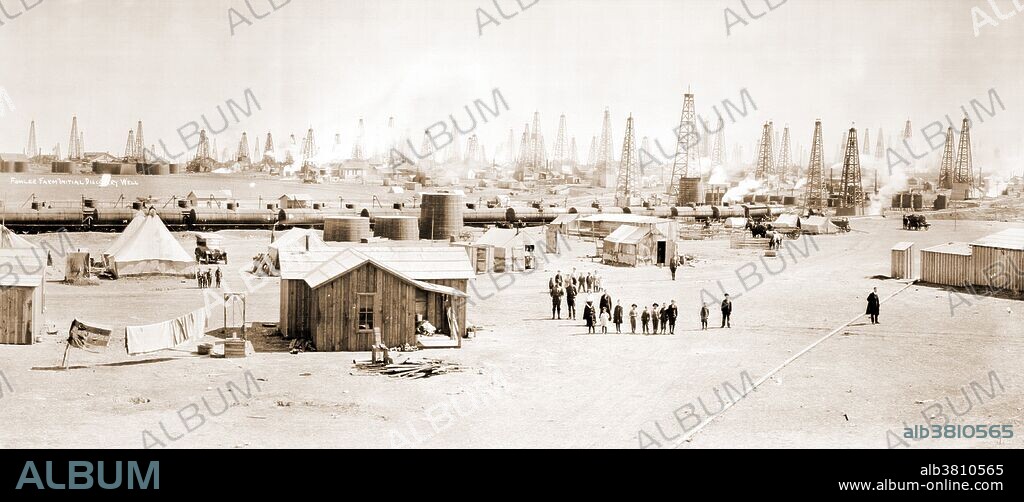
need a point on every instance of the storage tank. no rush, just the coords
(789, 200)
(440, 216)
(60, 167)
(175, 168)
(6, 166)
(126, 169)
(941, 201)
(21, 167)
(346, 228)
(918, 201)
(397, 228)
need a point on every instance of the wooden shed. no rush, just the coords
(636, 246)
(998, 260)
(902, 260)
(21, 295)
(948, 264)
(336, 298)
(512, 250)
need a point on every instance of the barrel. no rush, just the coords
(346, 228)
(396, 228)
(440, 216)
(21, 167)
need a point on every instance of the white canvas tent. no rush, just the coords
(54, 271)
(817, 225)
(11, 240)
(735, 222)
(146, 247)
(787, 222)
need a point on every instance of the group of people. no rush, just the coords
(209, 278)
(653, 319)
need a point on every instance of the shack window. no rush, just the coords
(366, 311)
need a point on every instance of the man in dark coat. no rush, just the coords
(645, 319)
(617, 317)
(673, 264)
(556, 301)
(873, 306)
(673, 313)
(664, 318)
(655, 318)
(606, 302)
(217, 276)
(590, 317)
(570, 300)
(726, 311)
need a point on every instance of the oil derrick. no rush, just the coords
(202, 152)
(765, 163)
(32, 150)
(908, 132)
(256, 154)
(785, 155)
(645, 151)
(472, 149)
(558, 153)
(628, 176)
(523, 156)
(243, 148)
(964, 170)
(308, 147)
(592, 152)
(129, 147)
(81, 145)
(718, 152)
(705, 146)
(357, 146)
(841, 148)
(510, 154)
(426, 154)
(538, 155)
(214, 152)
(867, 142)
(74, 144)
(289, 157)
(880, 146)
(814, 195)
(686, 140)
(140, 144)
(605, 157)
(851, 188)
(455, 149)
(56, 151)
(946, 168)
(268, 148)
(573, 154)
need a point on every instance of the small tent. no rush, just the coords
(146, 247)
(735, 222)
(817, 225)
(11, 240)
(787, 221)
(54, 272)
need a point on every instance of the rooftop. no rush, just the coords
(1011, 238)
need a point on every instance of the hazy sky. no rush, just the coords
(326, 63)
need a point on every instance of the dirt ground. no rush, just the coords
(535, 382)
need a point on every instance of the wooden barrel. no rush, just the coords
(441, 216)
(346, 228)
(396, 228)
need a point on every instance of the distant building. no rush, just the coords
(295, 201)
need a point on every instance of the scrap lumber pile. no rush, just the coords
(410, 368)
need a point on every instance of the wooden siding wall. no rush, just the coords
(18, 321)
(947, 269)
(998, 268)
(902, 263)
(295, 317)
(334, 315)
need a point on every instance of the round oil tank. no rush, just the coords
(346, 228)
(174, 168)
(60, 167)
(789, 201)
(940, 202)
(440, 216)
(6, 167)
(918, 201)
(127, 169)
(21, 167)
(397, 228)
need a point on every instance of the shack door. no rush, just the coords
(662, 252)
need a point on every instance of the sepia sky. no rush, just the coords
(326, 63)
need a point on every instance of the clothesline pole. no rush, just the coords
(64, 362)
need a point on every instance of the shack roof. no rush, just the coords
(623, 218)
(627, 234)
(500, 238)
(960, 248)
(350, 259)
(419, 263)
(1011, 238)
(25, 266)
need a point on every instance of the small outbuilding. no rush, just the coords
(637, 246)
(510, 250)
(998, 260)
(21, 295)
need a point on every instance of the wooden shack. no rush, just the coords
(902, 260)
(947, 264)
(998, 260)
(21, 295)
(344, 295)
(637, 246)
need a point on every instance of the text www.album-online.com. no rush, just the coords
(944, 485)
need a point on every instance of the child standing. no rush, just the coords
(704, 312)
(605, 317)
